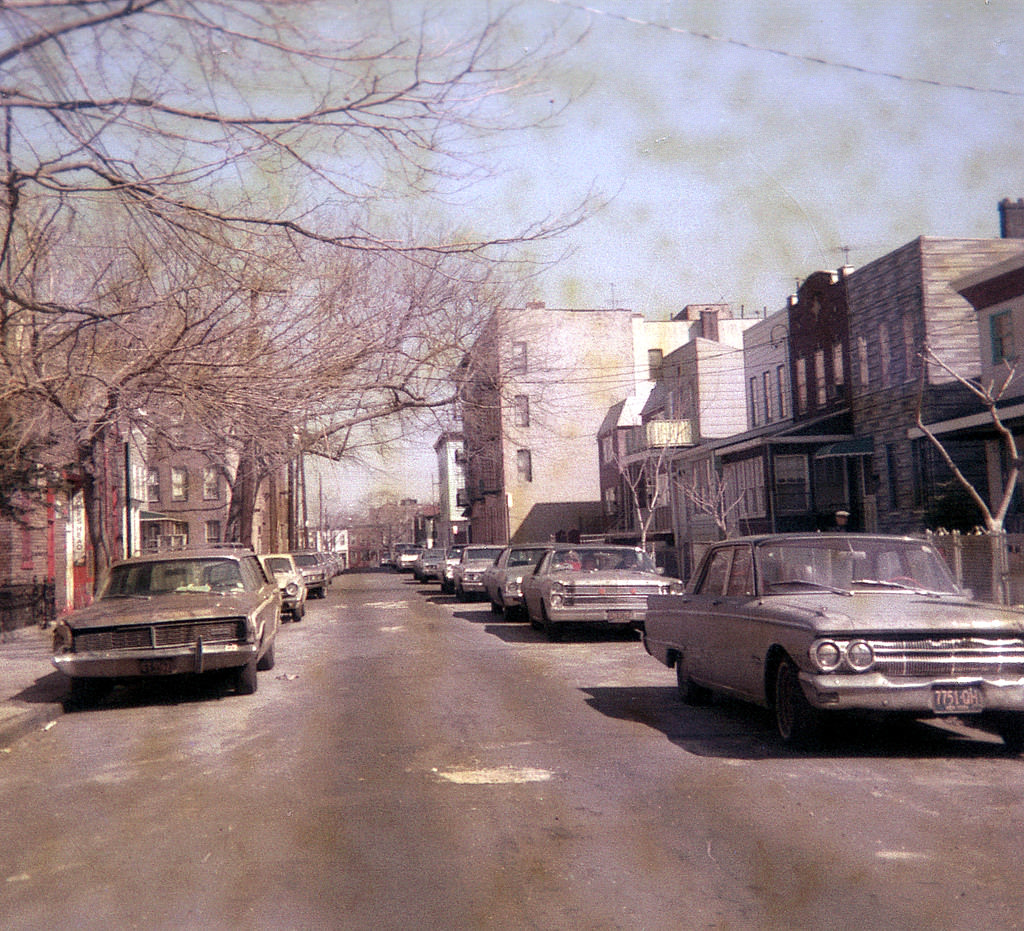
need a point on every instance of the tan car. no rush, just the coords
(504, 578)
(813, 625)
(594, 584)
(282, 568)
(181, 613)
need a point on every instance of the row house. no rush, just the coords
(452, 525)
(535, 389)
(833, 385)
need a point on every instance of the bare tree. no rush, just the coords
(711, 495)
(989, 396)
(156, 152)
(646, 480)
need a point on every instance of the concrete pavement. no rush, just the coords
(32, 691)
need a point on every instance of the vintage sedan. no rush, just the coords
(810, 625)
(592, 584)
(468, 574)
(429, 564)
(314, 572)
(282, 568)
(173, 614)
(504, 578)
(451, 560)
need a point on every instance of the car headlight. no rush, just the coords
(291, 589)
(859, 655)
(826, 655)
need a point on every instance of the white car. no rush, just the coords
(468, 575)
(282, 568)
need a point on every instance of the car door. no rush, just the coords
(698, 631)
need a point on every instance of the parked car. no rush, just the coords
(592, 584)
(429, 565)
(504, 578)
(282, 568)
(451, 560)
(405, 556)
(173, 614)
(314, 572)
(467, 576)
(810, 625)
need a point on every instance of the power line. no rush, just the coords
(783, 53)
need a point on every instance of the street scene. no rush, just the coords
(517, 465)
(414, 761)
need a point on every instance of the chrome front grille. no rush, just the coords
(154, 636)
(950, 656)
(631, 596)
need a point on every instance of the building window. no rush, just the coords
(766, 395)
(753, 401)
(607, 448)
(213, 531)
(179, 484)
(153, 486)
(519, 358)
(910, 348)
(893, 474)
(780, 379)
(838, 372)
(211, 483)
(521, 410)
(791, 486)
(524, 465)
(884, 354)
(655, 358)
(1002, 338)
(819, 377)
(862, 359)
(801, 385)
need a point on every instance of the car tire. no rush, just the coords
(497, 608)
(266, 661)
(246, 682)
(460, 595)
(551, 629)
(689, 692)
(797, 720)
(299, 613)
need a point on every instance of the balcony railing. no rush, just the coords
(656, 434)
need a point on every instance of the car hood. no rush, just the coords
(160, 609)
(615, 577)
(880, 612)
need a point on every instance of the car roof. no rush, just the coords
(206, 552)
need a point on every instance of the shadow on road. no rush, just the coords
(733, 730)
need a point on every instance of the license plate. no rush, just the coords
(155, 667)
(957, 699)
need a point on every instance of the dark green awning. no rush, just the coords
(858, 446)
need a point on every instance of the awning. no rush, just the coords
(152, 515)
(858, 446)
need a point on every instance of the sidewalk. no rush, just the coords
(31, 689)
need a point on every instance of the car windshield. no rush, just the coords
(852, 564)
(524, 557)
(278, 564)
(306, 559)
(173, 575)
(489, 554)
(601, 560)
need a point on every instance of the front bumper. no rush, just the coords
(191, 660)
(593, 614)
(874, 691)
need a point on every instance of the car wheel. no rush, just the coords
(797, 720)
(299, 613)
(266, 661)
(551, 629)
(245, 678)
(689, 692)
(497, 607)
(460, 595)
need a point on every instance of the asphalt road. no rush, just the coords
(413, 763)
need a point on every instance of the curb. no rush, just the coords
(16, 722)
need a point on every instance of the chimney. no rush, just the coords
(1011, 218)
(709, 324)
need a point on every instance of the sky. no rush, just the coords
(741, 146)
